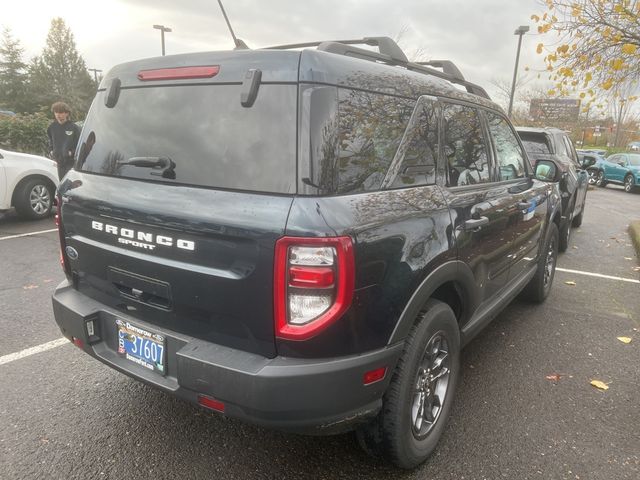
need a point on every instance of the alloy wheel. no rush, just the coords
(431, 385)
(40, 199)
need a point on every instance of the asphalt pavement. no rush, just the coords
(525, 408)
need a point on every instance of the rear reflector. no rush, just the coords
(317, 277)
(180, 73)
(77, 342)
(373, 376)
(211, 403)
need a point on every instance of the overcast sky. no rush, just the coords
(476, 34)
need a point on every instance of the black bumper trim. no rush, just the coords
(317, 396)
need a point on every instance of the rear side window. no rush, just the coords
(370, 128)
(509, 155)
(195, 135)
(465, 148)
(418, 154)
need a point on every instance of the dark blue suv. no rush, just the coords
(300, 239)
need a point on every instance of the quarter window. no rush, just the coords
(509, 155)
(465, 149)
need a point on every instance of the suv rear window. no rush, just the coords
(195, 135)
(535, 143)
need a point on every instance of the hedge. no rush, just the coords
(25, 133)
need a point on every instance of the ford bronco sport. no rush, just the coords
(302, 239)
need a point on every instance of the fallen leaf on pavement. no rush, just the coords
(628, 258)
(624, 339)
(555, 377)
(636, 269)
(600, 385)
(29, 287)
(570, 283)
(575, 247)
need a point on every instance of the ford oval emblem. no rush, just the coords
(72, 253)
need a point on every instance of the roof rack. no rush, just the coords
(390, 52)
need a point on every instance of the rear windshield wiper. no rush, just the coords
(164, 165)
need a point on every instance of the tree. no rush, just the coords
(13, 76)
(597, 47)
(60, 73)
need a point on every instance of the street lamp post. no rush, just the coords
(95, 71)
(162, 29)
(520, 31)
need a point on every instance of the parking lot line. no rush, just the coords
(599, 275)
(28, 234)
(33, 350)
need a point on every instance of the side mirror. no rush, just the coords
(588, 161)
(546, 171)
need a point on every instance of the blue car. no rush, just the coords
(621, 168)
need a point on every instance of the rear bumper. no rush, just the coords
(312, 396)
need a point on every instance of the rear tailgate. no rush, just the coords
(180, 191)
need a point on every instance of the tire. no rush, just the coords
(600, 180)
(629, 183)
(539, 286)
(564, 235)
(33, 198)
(401, 432)
(577, 220)
(593, 174)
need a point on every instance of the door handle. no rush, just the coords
(524, 205)
(475, 223)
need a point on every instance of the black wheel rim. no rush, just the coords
(431, 385)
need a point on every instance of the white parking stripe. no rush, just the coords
(590, 274)
(28, 234)
(33, 350)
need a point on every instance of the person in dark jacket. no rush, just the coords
(63, 138)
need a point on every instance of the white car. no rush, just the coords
(28, 183)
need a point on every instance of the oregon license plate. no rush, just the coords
(141, 346)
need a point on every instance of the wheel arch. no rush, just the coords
(453, 283)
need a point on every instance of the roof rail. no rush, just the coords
(390, 52)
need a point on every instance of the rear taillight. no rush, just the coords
(313, 284)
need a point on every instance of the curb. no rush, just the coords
(634, 231)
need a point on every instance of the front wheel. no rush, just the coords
(418, 401)
(600, 180)
(539, 286)
(629, 183)
(34, 199)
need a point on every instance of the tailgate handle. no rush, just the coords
(524, 205)
(476, 223)
(140, 288)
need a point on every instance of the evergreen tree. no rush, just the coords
(13, 76)
(60, 73)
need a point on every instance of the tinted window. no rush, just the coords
(371, 126)
(195, 135)
(509, 155)
(419, 151)
(464, 146)
(535, 143)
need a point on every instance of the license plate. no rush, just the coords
(141, 346)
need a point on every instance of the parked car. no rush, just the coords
(634, 146)
(596, 151)
(591, 162)
(318, 273)
(554, 145)
(620, 168)
(28, 183)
